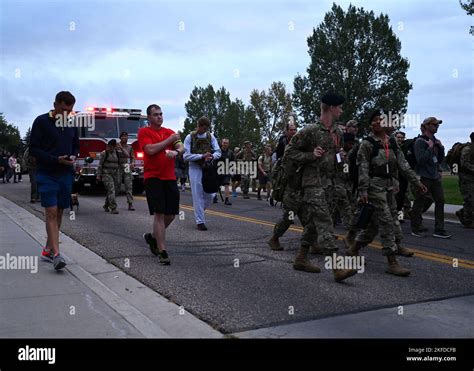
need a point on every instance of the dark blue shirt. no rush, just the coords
(428, 159)
(48, 142)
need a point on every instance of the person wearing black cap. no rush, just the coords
(109, 172)
(379, 160)
(315, 152)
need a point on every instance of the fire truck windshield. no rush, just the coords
(111, 127)
(131, 126)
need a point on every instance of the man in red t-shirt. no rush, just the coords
(160, 146)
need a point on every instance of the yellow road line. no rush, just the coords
(376, 245)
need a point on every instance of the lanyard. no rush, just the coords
(386, 146)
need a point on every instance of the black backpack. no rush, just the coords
(210, 179)
(409, 151)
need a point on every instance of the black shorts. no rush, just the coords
(162, 196)
(223, 180)
(263, 179)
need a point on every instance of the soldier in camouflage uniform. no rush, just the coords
(466, 183)
(377, 182)
(316, 149)
(109, 172)
(343, 200)
(246, 154)
(127, 162)
(293, 204)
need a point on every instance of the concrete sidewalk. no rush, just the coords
(90, 298)
(442, 319)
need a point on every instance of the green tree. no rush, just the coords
(469, 8)
(240, 124)
(272, 110)
(355, 54)
(9, 136)
(222, 105)
(202, 102)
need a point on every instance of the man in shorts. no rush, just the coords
(160, 146)
(265, 168)
(55, 146)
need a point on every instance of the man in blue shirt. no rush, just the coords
(55, 146)
(429, 154)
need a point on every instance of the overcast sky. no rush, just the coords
(133, 53)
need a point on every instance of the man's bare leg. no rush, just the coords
(52, 228)
(160, 223)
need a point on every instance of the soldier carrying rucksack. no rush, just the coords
(461, 160)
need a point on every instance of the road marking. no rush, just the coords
(445, 259)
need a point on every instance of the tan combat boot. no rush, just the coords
(341, 274)
(354, 248)
(302, 263)
(403, 251)
(275, 243)
(394, 268)
(316, 250)
(350, 238)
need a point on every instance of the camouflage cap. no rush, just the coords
(431, 120)
(247, 142)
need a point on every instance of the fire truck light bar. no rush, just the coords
(111, 110)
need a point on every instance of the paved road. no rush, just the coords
(263, 290)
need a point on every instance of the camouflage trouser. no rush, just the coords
(293, 205)
(317, 203)
(245, 184)
(384, 219)
(128, 181)
(466, 187)
(112, 186)
(343, 203)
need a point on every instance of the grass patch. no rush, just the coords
(451, 190)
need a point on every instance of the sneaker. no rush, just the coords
(202, 227)
(227, 202)
(130, 207)
(418, 234)
(47, 255)
(164, 258)
(441, 234)
(151, 241)
(270, 201)
(114, 211)
(59, 262)
(106, 208)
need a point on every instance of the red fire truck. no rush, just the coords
(96, 127)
